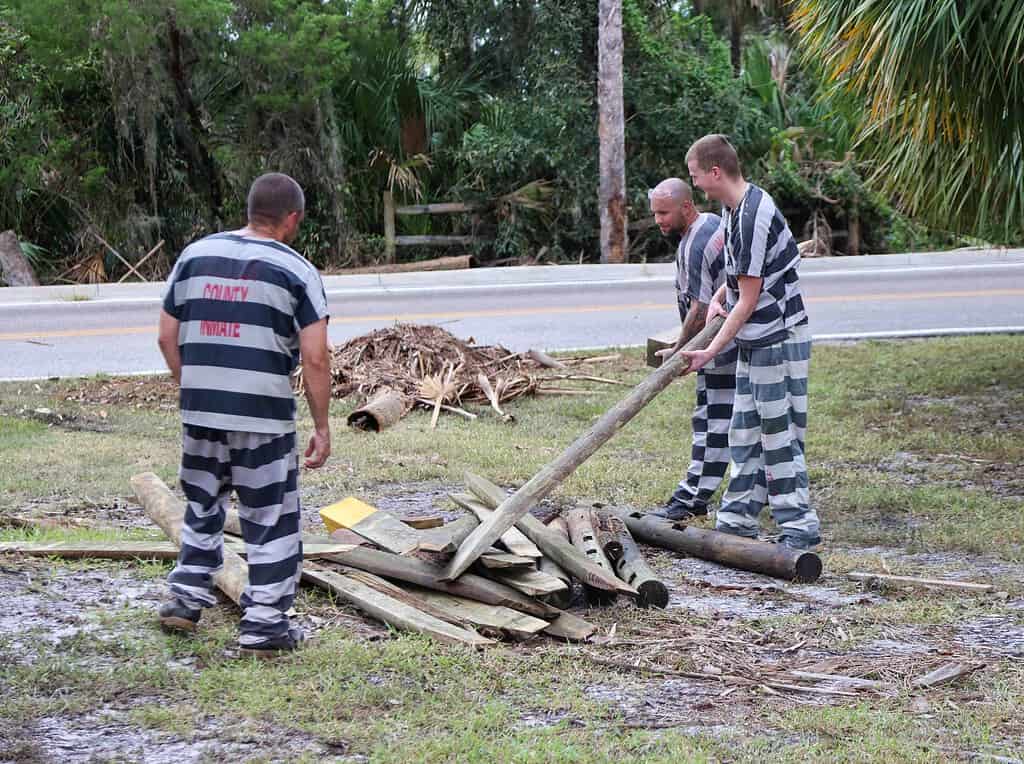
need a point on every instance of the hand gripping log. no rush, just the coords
(554, 473)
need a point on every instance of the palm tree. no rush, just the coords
(943, 86)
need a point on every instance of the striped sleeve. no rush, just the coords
(708, 259)
(173, 305)
(312, 305)
(755, 223)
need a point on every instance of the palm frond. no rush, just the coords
(944, 88)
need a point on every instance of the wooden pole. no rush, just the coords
(167, 511)
(611, 128)
(564, 598)
(629, 562)
(392, 611)
(416, 571)
(776, 560)
(553, 474)
(389, 227)
(584, 538)
(552, 544)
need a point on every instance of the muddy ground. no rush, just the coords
(719, 622)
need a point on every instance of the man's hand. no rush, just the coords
(698, 359)
(665, 353)
(319, 449)
(715, 308)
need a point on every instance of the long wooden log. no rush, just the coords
(563, 625)
(109, 550)
(429, 575)
(564, 598)
(513, 538)
(492, 618)
(389, 609)
(584, 538)
(168, 512)
(139, 550)
(551, 475)
(630, 563)
(776, 560)
(550, 543)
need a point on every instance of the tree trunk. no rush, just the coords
(334, 178)
(189, 128)
(612, 133)
(736, 35)
(14, 268)
(853, 232)
(698, 7)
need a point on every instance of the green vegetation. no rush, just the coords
(144, 121)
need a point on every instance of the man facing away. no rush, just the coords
(240, 308)
(766, 318)
(700, 272)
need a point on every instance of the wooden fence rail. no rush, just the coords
(391, 241)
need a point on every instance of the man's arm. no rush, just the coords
(693, 322)
(750, 290)
(167, 339)
(316, 376)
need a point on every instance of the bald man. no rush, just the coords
(700, 272)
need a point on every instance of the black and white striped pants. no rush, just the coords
(709, 453)
(769, 420)
(263, 471)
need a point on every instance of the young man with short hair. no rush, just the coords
(764, 311)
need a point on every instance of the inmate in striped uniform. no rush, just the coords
(769, 417)
(700, 271)
(241, 302)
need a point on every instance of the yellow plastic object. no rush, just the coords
(345, 513)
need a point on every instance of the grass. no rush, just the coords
(913, 446)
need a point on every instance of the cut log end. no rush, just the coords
(382, 411)
(808, 568)
(652, 594)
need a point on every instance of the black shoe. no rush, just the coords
(273, 647)
(176, 617)
(676, 511)
(799, 544)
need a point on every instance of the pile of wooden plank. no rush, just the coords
(518, 589)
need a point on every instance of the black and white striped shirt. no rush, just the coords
(700, 268)
(758, 243)
(241, 302)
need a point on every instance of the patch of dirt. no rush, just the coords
(73, 512)
(48, 605)
(1003, 479)
(88, 737)
(995, 409)
(155, 392)
(63, 419)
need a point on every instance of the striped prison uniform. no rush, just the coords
(241, 303)
(769, 417)
(700, 270)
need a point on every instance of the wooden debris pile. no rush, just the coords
(393, 572)
(409, 365)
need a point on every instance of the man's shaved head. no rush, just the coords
(672, 188)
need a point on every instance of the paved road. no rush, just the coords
(62, 331)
